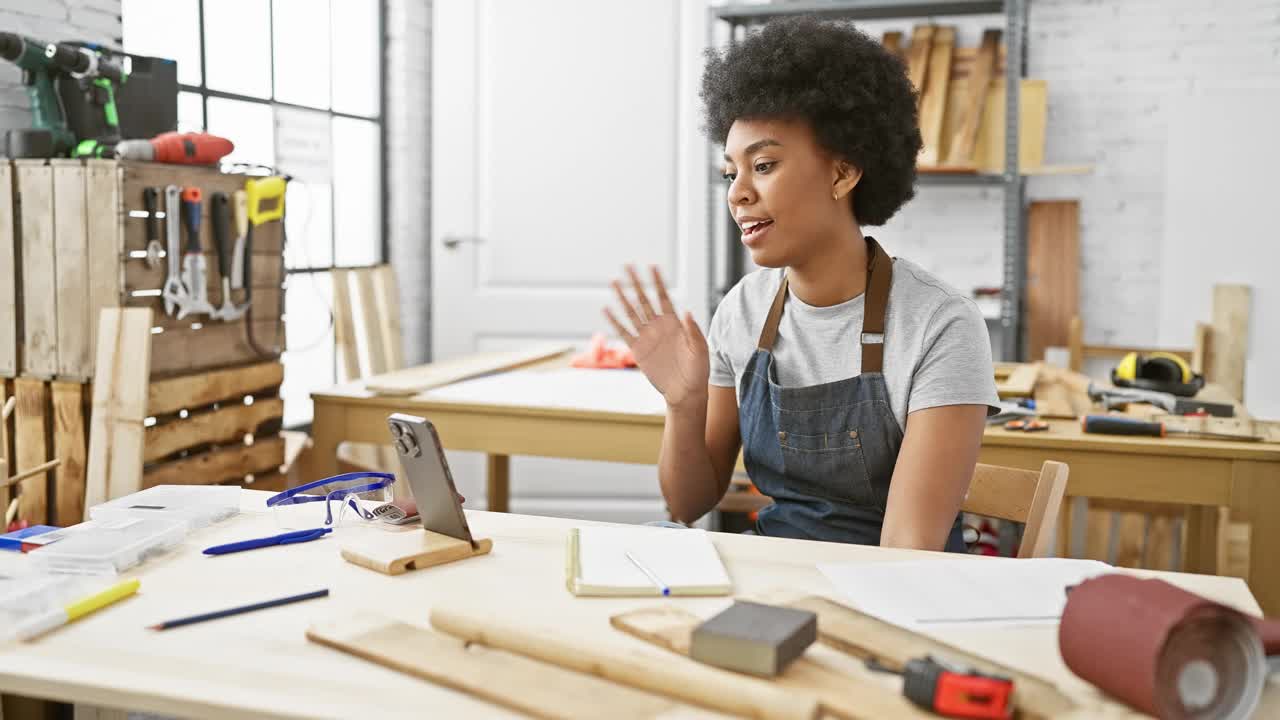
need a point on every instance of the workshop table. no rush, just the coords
(1202, 474)
(261, 665)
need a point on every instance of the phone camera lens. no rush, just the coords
(397, 430)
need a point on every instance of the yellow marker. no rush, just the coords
(57, 618)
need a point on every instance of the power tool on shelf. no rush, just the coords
(49, 135)
(99, 74)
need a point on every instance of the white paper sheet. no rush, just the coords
(993, 591)
(680, 558)
(619, 391)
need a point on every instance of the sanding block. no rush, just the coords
(754, 638)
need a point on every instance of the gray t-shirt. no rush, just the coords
(936, 348)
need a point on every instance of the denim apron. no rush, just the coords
(825, 453)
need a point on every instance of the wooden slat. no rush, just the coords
(1016, 380)
(104, 234)
(387, 296)
(965, 138)
(344, 330)
(216, 427)
(34, 182)
(31, 447)
(1053, 273)
(414, 380)
(72, 257)
(1001, 492)
(1129, 532)
(212, 346)
(934, 100)
(1225, 363)
(9, 306)
(216, 466)
(122, 364)
(369, 325)
(7, 405)
(918, 56)
(892, 42)
(71, 446)
(1033, 112)
(196, 391)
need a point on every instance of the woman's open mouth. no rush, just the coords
(754, 231)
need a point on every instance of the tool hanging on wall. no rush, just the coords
(264, 201)
(150, 202)
(194, 271)
(220, 209)
(174, 292)
(1117, 425)
(49, 136)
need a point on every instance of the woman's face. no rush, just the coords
(787, 194)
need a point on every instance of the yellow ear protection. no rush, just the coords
(1159, 371)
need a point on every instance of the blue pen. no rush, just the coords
(289, 538)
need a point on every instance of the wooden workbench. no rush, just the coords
(260, 665)
(1204, 474)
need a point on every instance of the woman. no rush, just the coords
(862, 383)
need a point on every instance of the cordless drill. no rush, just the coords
(49, 136)
(99, 75)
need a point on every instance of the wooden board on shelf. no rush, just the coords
(1053, 273)
(1033, 104)
(918, 56)
(9, 307)
(892, 42)
(965, 137)
(1016, 380)
(933, 100)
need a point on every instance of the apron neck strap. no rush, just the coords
(879, 278)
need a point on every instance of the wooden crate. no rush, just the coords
(200, 431)
(81, 246)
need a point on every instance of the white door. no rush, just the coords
(565, 144)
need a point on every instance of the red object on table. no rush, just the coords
(600, 356)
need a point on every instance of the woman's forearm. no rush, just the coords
(685, 470)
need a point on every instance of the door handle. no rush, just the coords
(453, 241)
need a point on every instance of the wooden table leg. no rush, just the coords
(498, 478)
(1255, 499)
(327, 427)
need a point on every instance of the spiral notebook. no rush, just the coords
(686, 561)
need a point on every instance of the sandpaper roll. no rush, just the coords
(1165, 651)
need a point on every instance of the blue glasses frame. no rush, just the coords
(295, 496)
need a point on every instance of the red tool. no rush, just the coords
(1027, 425)
(177, 148)
(954, 691)
(1118, 425)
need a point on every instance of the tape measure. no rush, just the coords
(953, 691)
(265, 199)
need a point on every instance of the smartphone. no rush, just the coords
(427, 472)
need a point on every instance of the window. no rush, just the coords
(264, 74)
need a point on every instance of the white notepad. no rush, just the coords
(686, 561)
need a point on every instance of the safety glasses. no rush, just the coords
(347, 498)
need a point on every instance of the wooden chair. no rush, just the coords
(1024, 496)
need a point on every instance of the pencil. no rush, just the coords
(170, 624)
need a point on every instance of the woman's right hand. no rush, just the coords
(669, 349)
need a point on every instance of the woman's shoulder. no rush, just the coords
(917, 290)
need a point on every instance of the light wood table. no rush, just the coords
(1204, 474)
(260, 664)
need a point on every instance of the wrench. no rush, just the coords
(175, 293)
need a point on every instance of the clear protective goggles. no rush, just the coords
(333, 502)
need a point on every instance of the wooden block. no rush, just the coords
(1061, 393)
(71, 251)
(212, 346)
(34, 183)
(683, 679)
(1053, 273)
(1229, 344)
(1033, 104)
(214, 427)
(840, 694)
(1016, 380)
(71, 446)
(395, 553)
(9, 305)
(412, 381)
(965, 138)
(369, 325)
(527, 686)
(196, 391)
(104, 233)
(933, 101)
(31, 447)
(918, 56)
(122, 367)
(344, 329)
(866, 637)
(387, 297)
(224, 464)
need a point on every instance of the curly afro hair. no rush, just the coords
(853, 92)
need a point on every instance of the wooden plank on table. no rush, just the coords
(841, 695)
(528, 686)
(216, 427)
(31, 447)
(212, 346)
(866, 637)
(104, 235)
(122, 368)
(34, 184)
(344, 327)
(1061, 393)
(71, 446)
(892, 42)
(71, 251)
(387, 297)
(1016, 380)
(232, 462)
(9, 306)
(1033, 112)
(933, 102)
(414, 380)
(965, 138)
(369, 325)
(1053, 273)
(1229, 344)
(196, 391)
(918, 56)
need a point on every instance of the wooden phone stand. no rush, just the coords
(395, 553)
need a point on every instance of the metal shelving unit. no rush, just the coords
(726, 257)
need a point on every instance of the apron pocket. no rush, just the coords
(828, 465)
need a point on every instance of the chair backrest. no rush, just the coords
(366, 322)
(1025, 496)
